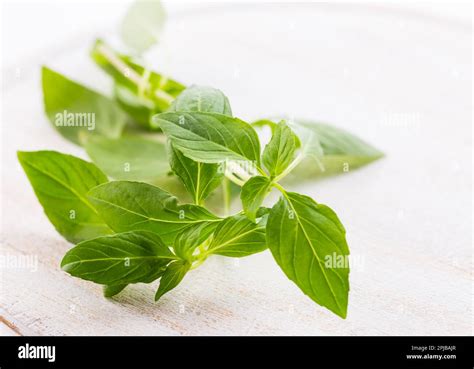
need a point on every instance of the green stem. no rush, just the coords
(262, 172)
(202, 256)
(142, 86)
(141, 83)
(198, 181)
(226, 195)
(234, 179)
(198, 263)
(280, 188)
(290, 167)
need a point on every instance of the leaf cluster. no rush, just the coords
(167, 162)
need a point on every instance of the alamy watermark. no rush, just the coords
(28, 351)
(406, 120)
(28, 262)
(336, 261)
(69, 119)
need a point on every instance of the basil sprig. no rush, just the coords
(177, 158)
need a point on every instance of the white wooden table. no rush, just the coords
(400, 79)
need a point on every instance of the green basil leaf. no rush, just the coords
(173, 275)
(129, 157)
(61, 183)
(253, 193)
(188, 240)
(262, 123)
(77, 112)
(202, 98)
(279, 152)
(128, 206)
(210, 137)
(310, 145)
(113, 290)
(118, 259)
(342, 152)
(237, 237)
(200, 179)
(303, 237)
(336, 141)
(154, 276)
(142, 25)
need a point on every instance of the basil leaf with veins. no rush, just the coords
(237, 237)
(200, 179)
(122, 258)
(279, 152)
(203, 99)
(307, 241)
(131, 206)
(342, 151)
(210, 137)
(253, 193)
(61, 183)
(172, 276)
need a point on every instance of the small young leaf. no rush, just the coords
(308, 242)
(173, 275)
(200, 179)
(188, 240)
(237, 237)
(61, 183)
(118, 259)
(253, 193)
(129, 157)
(77, 112)
(279, 152)
(142, 25)
(202, 98)
(210, 137)
(128, 206)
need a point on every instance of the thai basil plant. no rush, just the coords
(178, 156)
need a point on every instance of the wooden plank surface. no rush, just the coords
(403, 84)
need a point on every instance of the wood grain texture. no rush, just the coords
(403, 84)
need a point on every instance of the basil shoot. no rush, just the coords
(158, 139)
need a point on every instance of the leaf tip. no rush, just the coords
(21, 155)
(342, 313)
(158, 295)
(111, 291)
